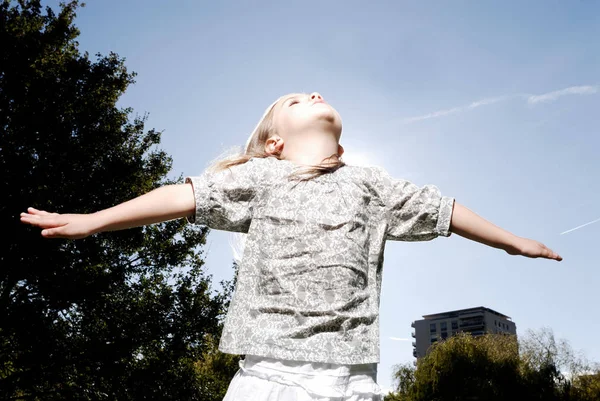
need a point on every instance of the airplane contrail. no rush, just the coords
(583, 225)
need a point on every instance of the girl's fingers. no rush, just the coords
(48, 221)
(547, 253)
(60, 232)
(544, 252)
(554, 255)
(51, 232)
(29, 219)
(550, 254)
(37, 212)
(52, 226)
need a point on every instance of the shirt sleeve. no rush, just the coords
(415, 213)
(225, 199)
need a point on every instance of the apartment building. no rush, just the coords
(440, 326)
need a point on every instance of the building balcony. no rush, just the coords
(415, 353)
(468, 329)
(413, 335)
(414, 344)
(472, 325)
(412, 325)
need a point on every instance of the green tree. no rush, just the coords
(466, 367)
(586, 386)
(127, 315)
(462, 368)
(404, 376)
(497, 367)
(553, 370)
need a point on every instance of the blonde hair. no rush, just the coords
(255, 147)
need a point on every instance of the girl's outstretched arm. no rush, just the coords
(162, 204)
(469, 225)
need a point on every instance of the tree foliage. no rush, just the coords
(124, 315)
(497, 367)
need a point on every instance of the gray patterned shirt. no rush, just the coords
(309, 283)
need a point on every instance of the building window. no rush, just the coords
(443, 326)
(454, 325)
(444, 335)
(432, 328)
(495, 323)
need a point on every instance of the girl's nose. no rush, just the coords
(315, 96)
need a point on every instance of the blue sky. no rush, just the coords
(496, 103)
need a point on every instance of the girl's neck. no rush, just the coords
(310, 150)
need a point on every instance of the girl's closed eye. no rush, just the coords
(293, 102)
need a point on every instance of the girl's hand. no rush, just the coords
(54, 225)
(532, 249)
(469, 225)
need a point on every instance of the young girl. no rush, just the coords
(305, 312)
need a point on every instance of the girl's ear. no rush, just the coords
(340, 150)
(274, 145)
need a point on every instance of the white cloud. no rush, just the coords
(581, 226)
(573, 90)
(399, 339)
(455, 110)
(485, 102)
(435, 114)
(531, 99)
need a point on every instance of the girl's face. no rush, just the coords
(297, 114)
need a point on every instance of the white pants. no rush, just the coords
(268, 379)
